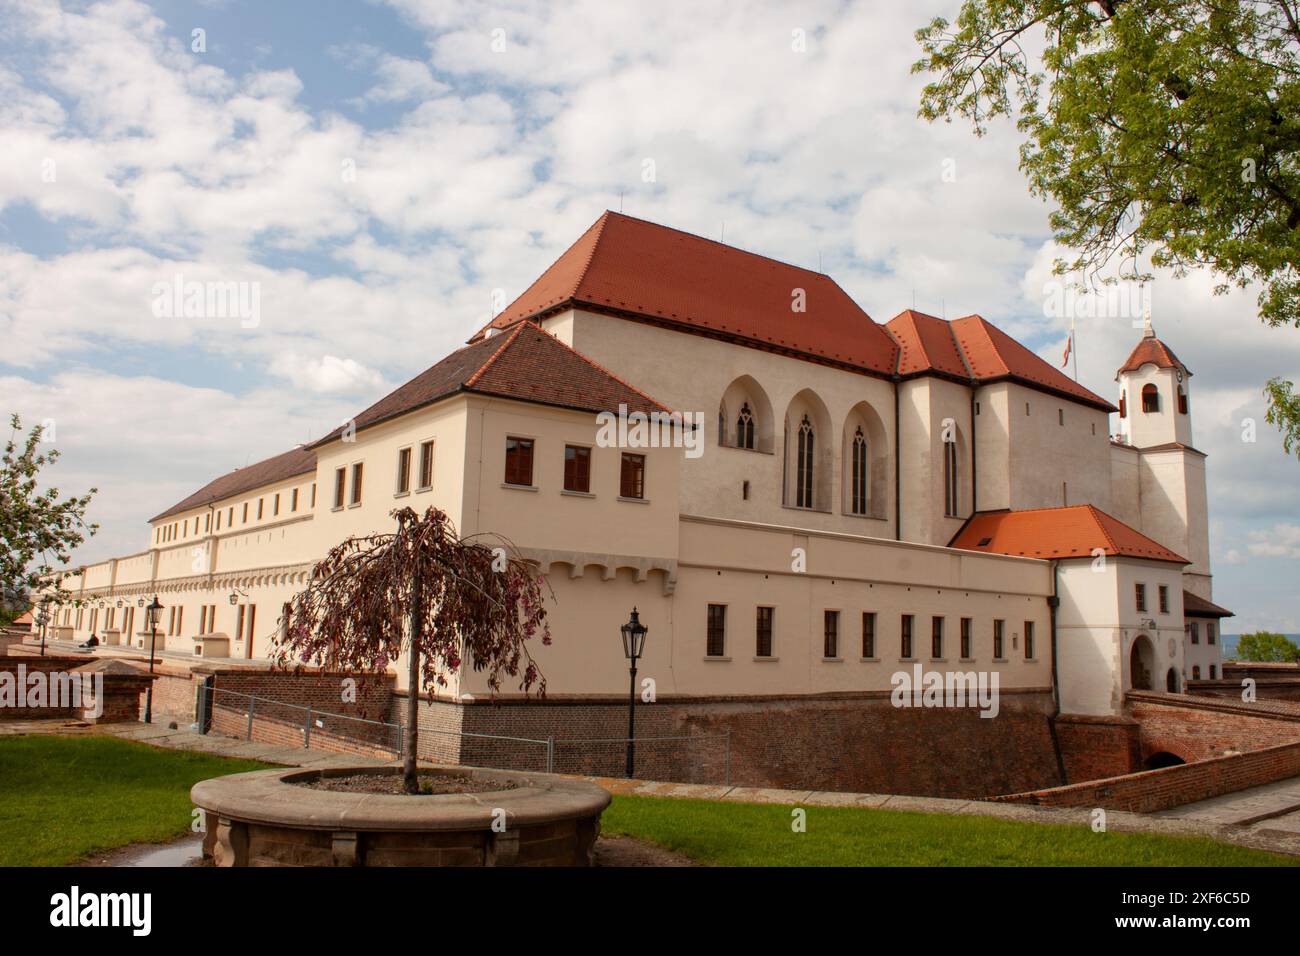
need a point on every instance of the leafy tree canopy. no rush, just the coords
(1266, 646)
(1170, 127)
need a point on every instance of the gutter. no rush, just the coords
(1053, 603)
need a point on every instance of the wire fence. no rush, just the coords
(684, 758)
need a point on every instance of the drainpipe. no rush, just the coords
(974, 472)
(898, 460)
(1054, 602)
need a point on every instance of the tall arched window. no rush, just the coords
(1150, 399)
(1123, 404)
(1182, 401)
(858, 474)
(804, 466)
(950, 478)
(745, 428)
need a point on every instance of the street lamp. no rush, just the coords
(151, 617)
(43, 618)
(235, 595)
(634, 633)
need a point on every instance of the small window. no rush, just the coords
(1123, 404)
(577, 468)
(403, 471)
(245, 517)
(936, 637)
(868, 633)
(313, 494)
(1140, 596)
(1214, 672)
(356, 483)
(763, 632)
(1209, 632)
(1060, 416)
(1026, 408)
(340, 483)
(1150, 399)
(230, 517)
(426, 465)
(999, 628)
(1196, 672)
(631, 483)
(1193, 632)
(717, 629)
(275, 506)
(293, 501)
(830, 634)
(1182, 401)
(260, 503)
(1029, 640)
(905, 644)
(519, 461)
(1163, 593)
(218, 520)
(965, 638)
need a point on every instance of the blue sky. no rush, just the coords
(483, 139)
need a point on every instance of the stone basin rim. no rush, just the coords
(269, 797)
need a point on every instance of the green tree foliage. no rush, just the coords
(38, 529)
(1266, 646)
(1165, 126)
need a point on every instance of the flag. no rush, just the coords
(1069, 342)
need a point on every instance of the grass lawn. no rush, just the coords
(64, 798)
(750, 834)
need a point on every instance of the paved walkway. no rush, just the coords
(1275, 839)
(1273, 807)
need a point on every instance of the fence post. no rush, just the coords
(306, 731)
(550, 754)
(726, 780)
(251, 702)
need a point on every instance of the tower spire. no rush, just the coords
(1147, 331)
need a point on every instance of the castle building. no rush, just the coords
(840, 500)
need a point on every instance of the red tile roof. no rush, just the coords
(1072, 532)
(281, 467)
(632, 267)
(926, 343)
(526, 364)
(1196, 606)
(1150, 350)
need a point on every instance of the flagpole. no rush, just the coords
(1074, 348)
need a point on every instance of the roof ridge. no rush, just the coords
(961, 352)
(519, 327)
(1097, 515)
(596, 365)
(600, 225)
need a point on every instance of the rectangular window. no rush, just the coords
(293, 501)
(1029, 640)
(905, 648)
(519, 461)
(356, 483)
(239, 623)
(171, 620)
(403, 471)
(185, 528)
(965, 638)
(252, 622)
(830, 634)
(868, 633)
(218, 520)
(716, 638)
(261, 506)
(1194, 632)
(631, 479)
(207, 522)
(426, 465)
(230, 517)
(245, 517)
(340, 482)
(1209, 632)
(997, 640)
(275, 506)
(1140, 595)
(763, 632)
(313, 494)
(203, 619)
(1163, 592)
(936, 637)
(577, 468)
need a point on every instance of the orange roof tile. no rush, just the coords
(926, 343)
(1196, 606)
(632, 267)
(1151, 351)
(299, 461)
(1071, 532)
(526, 364)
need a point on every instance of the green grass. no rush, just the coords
(749, 834)
(65, 798)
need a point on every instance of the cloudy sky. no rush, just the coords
(380, 170)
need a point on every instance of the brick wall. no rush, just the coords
(1200, 728)
(1095, 747)
(230, 721)
(854, 743)
(173, 697)
(42, 665)
(1266, 687)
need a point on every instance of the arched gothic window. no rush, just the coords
(858, 474)
(745, 428)
(804, 466)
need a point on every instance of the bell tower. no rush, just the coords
(1154, 395)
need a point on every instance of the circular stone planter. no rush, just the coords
(267, 818)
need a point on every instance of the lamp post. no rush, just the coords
(151, 613)
(634, 633)
(43, 618)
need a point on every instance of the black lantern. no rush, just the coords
(234, 598)
(151, 618)
(119, 602)
(634, 633)
(140, 603)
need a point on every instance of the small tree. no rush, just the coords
(38, 529)
(1266, 646)
(426, 590)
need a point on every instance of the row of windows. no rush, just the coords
(1140, 597)
(764, 628)
(1193, 629)
(1196, 672)
(577, 468)
(181, 529)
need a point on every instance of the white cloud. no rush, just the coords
(329, 373)
(1280, 541)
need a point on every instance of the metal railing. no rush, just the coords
(684, 758)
